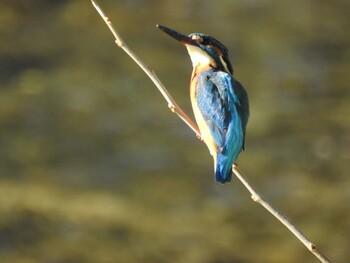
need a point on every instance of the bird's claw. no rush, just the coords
(199, 137)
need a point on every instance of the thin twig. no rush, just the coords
(175, 108)
(171, 102)
(257, 197)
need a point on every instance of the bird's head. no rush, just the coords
(204, 50)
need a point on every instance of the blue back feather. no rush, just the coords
(223, 103)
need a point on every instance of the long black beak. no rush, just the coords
(186, 40)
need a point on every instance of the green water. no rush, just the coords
(95, 168)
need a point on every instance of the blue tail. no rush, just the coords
(223, 171)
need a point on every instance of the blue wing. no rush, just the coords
(242, 106)
(220, 99)
(213, 105)
(223, 103)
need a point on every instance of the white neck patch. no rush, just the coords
(199, 57)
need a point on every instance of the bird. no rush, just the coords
(220, 103)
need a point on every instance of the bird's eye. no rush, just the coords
(200, 40)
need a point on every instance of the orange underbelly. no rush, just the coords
(203, 127)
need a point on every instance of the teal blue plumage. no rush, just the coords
(223, 103)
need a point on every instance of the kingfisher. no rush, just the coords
(219, 102)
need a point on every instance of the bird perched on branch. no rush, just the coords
(219, 102)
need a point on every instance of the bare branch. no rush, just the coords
(257, 197)
(171, 102)
(176, 109)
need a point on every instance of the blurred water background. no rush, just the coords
(95, 168)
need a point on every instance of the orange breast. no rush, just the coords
(204, 129)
